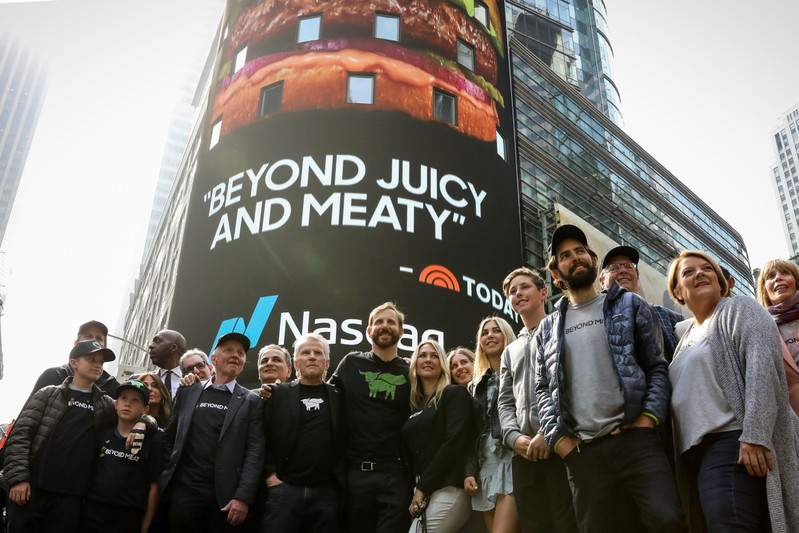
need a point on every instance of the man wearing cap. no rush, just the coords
(621, 265)
(214, 444)
(166, 349)
(90, 331)
(48, 456)
(602, 386)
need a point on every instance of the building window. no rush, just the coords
(216, 130)
(501, 151)
(445, 107)
(481, 13)
(241, 59)
(361, 89)
(465, 54)
(310, 29)
(387, 27)
(271, 99)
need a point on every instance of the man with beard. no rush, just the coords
(376, 396)
(602, 386)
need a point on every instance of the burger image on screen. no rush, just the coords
(433, 60)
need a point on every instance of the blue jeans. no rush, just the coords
(633, 461)
(731, 499)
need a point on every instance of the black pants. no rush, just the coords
(98, 517)
(377, 502)
(302, 508)
(543, 497)
(197, 512)
(45, 512)
(633, 461)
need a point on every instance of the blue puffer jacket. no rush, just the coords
(636, 345)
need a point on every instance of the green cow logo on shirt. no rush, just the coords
(385, 383)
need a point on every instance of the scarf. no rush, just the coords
(787, 311)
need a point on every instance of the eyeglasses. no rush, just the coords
(613, 267)
(199, 366)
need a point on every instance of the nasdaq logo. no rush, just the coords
(252, 328)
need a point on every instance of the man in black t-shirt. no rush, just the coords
(304, 431)
(377, 402)
(214, 444)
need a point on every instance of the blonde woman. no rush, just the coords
(734, 429)
(489, 480)
(441, 421)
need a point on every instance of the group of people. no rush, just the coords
(608, 414)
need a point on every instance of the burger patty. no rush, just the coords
(433, 25)
(318, 80)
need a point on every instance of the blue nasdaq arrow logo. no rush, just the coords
(256, 325)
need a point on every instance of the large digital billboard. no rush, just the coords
(353, 153)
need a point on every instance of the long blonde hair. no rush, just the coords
(481, 361)
(418, 399)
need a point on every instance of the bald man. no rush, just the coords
(166, 349)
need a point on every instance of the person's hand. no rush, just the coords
(20, 493)
(266, 390)
(417, 504)
(538, 449)
(642, 421)
(273, 480)
(757, 459)
(236, 511)
(565, 446)
(470, 485)
(135, 439)
(188, 380)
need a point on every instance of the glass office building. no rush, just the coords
(572, 154)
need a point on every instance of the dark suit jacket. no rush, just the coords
(282, 422)
(239, 456)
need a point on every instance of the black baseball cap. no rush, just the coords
(242, 338)
(93, 324)
(135, 384)
(626, 251)
(566, 231)
(90, 347)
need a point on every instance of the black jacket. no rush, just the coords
(281, 424)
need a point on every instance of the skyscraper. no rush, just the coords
(785, 141)
(571, 38)
(22, 90)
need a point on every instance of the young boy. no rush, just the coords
(48, 456)
(123, 493)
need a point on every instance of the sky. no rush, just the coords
(702, 85)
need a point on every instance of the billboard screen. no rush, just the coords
(353, 153)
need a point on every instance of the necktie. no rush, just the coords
(168, 382)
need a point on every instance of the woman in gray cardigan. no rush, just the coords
(734, 429)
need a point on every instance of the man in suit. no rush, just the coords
(304, 428)
(214, 447)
